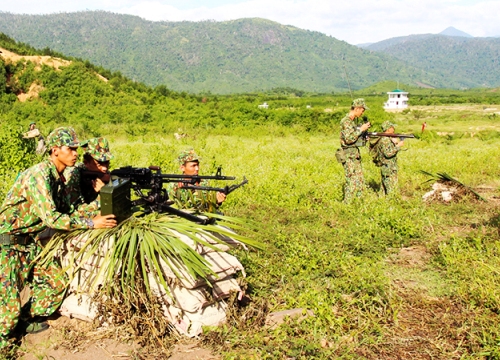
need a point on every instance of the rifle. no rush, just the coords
(380, 134)
(115, 196)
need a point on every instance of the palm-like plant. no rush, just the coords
(140, 246)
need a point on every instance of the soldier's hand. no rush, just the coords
(104, 221)
(401, 143)
(106, 177)
(220, 197)
(365, 126)
(97, 184)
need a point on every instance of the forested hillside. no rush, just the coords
(473, 62)
(244, 55)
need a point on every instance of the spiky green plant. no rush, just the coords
(139, 245)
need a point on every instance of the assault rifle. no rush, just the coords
(116, 196)
(380, 134)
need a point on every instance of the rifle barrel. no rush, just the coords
(379, 134)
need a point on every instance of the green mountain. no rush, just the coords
(473, 62)
(245, 55)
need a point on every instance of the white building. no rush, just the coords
(398, 100)
(263, 106)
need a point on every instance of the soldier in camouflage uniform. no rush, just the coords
(37, 200)
(387, 151)
(189, 163)
(84, 190)
(350, 141)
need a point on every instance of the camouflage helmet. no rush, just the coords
(187, 156)
(386, 125)
(359, 103)
(98, 148)
(62, 136)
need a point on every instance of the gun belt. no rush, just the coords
(9, 239)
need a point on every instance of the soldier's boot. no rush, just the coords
(34, 326)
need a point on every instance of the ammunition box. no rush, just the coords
(115, 199)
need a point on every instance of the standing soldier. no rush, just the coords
(36, 201)
(33, 133)
(350, 142)
(386, 151)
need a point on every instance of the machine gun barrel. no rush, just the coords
(225, 190)
(129, 178)
(144, 176)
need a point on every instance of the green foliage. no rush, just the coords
(215, 57)
(16, 155)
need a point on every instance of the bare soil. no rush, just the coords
(72, 339)
(37, 59)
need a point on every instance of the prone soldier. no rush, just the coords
(189, 163)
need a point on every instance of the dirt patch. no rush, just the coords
(413, 256)
(31, 94)
(72, 339)
(428, 324)
(424, 329)
(39, 60)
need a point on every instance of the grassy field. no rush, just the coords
(385, 278)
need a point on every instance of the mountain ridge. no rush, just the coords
(237, 56)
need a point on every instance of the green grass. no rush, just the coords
(332, 258)
(345, 262)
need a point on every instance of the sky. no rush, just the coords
(359, 22)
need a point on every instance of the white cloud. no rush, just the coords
(366, 21)
(359, 22)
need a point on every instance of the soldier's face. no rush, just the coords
(66, 155)
(98, 166)
(190, 168)
(359, 111)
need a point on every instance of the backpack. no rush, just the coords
(377, 156)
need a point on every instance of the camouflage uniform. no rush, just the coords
(349, 142)
(37, 200)
(191, 199)
(81, 189)
(388, 156)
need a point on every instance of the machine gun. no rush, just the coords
(116, 195)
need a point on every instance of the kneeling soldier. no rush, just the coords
(37, 200)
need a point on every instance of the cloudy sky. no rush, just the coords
(363, 21)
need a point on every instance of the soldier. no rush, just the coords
(189, 163)
(386, 150)
(350, 141)
(84, 188)
(37, 200)
(34, 133)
